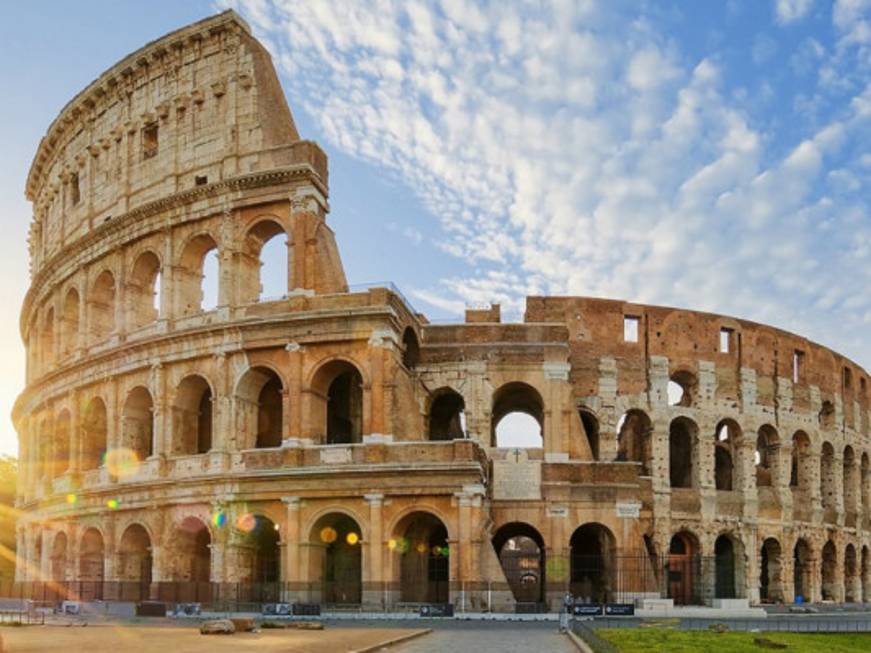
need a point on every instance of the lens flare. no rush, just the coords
(392, 544)
(72, 499)
(219, 518)
(113, 504)
(328, 535)
(352, 538)
(421, 547)
(122, 462)
(246, 522)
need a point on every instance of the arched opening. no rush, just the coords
(593, 550)
(196, 277)
(137, 418)
(345, 405)
(447, 417)
(851, 484)
(335, 559)
(70, 326)
(60, 461)
(421, 541)
(192, 416)
(682, 386)
(47, 338)
(865, 575)
(724, 568)
(102, 305)
(94, 441)
(517, 417)
(91, 572)
(802, 571)
(864, 479)
(521, 552)
(190, 562)
(827, 482)
(770, 572)
(726, 453)
(591, 429)
(684, 569)
(682, 437)
(266, 266)
(260, 408)
(801, 472)
(829, 572)
(59, 558)
(852, 589)
(134, 563)
(142, 291)
(262, 563)
(634, 431)
(767, 449)
(410, 349)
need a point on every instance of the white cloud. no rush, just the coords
(573, 149)
(789, 11)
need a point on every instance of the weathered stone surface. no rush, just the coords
(218, 627)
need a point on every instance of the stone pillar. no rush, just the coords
(292, 567)
(607, 414)
(558, 411)
(375, 404)
(373, 567)
(294, 405)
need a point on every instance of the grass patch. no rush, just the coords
(646, 640)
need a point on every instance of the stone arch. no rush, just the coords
(771, 588)
(259, 403)
(335, 558)
(634, 437)
(590, 424)
(865, 573)
(682, 453)
(70, 322)
(59, 557)
(728, 566)
(592, 563)
(767, 457)
(827, 416)
(95, 427)
(193, 416)
(189, 560)
(447, 417)
(802, 570)
(852, 587)
(684, 568)
(261, 559)
(137, 419)
(410, 348)
(521, 552)
(801, 473)
(143, 290)
(727, 454)
(47, 338)
(268, 256)
(864, 482)
(420, 541)
(682, 388)
(337, 402)
(828, 572)
(850, 477)
(101, 302)
(91, 564)
(134, 566)
(516, 405)
(189, 277)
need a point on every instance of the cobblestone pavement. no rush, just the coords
(491, 638)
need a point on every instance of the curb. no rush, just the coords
(580, 644)
(393, 641)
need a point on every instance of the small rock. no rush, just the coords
(243, 624)
(718, 628)
(218, 627)
(763, 642)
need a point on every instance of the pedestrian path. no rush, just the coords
(491, 638)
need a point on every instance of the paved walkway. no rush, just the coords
(490, 638)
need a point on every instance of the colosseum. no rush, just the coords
(334, 447)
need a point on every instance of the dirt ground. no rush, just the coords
(168, 639)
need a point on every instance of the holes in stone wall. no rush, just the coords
(149, 140)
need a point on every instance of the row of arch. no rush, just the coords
(88, 316)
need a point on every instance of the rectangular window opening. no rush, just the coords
(201, 180)
(75, 194)
(149, 140)
(725, 340)
(797, 364)
(630, 328)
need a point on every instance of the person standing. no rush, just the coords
(565, 612)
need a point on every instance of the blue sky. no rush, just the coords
(711, 155)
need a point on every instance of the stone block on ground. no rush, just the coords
(243, 624)
(218, 627)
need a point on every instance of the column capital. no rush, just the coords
(374, 499)
(292, 503)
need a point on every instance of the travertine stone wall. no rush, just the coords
(142, 421)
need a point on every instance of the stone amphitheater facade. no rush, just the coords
(340, 447)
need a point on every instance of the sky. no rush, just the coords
(704, 154)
